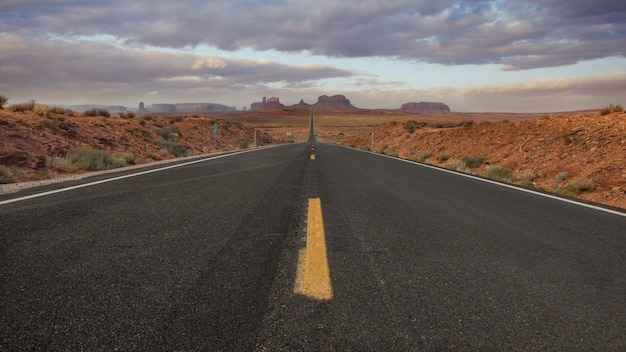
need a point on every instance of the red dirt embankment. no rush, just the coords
(550, 152)
(28, 141)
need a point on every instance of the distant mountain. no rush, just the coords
(114, 109)
(188, 107)
(336, 102)
(425, 107)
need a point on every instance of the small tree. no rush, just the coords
(3, 100)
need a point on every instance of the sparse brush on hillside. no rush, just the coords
(92, 159)
(23, 107)
(499, 173)
(611, 108)
(97, 112)
(42, 110)
(473, 162)
(172, 147)
(167, 132)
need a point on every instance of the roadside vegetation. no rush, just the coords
(92, 159)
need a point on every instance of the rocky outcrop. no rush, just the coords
(302, 105)
(267, 104)
(142, 109)
(424, 107)
(336, 102)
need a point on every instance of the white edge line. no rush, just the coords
(36, 195)
(566, 200)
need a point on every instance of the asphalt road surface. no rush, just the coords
(204, 257)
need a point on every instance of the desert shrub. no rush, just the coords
(125, 158)
(241, 143)
(611, 108)
(456, 165)
(391, 151)
(57, 110)
(569, 190)
(58, 163)
(42, 110)
(499, 173)
(411, 126)
(167, 132)
(560, 177)
(22, 107)
(527, 176)
(485, 122)
(92, 159)
(172, 147)
(424, 156)
(443, 158)
(47, 123)
(466, 123)
(142, 122)
(473, 162)
(97, 112)
(584, 184)
(6, 175)
(130, 115)
(175, 119)
(3, 100)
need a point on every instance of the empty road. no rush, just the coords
(228, 253)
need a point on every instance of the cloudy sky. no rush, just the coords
(474, 55)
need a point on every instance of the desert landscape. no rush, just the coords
(579, 153)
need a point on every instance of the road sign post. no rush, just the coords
(215, 133)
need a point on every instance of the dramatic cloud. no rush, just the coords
(516, 33)
(54, 63)
(120, 51)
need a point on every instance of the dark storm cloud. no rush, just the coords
(49, 63)
(517, 34)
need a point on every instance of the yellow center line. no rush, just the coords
(313, 276)
(312, 156)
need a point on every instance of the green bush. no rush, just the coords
(92, 159)
(47, 123)
(443, 158)
(411, 126)
(58, 163)
(569, 190)
(167, 132)
(424, 156)
(241, 143)
(473, 162)
(97, 112)
(499, 173)
(172, 147)
(6, 175)
(456, 165)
